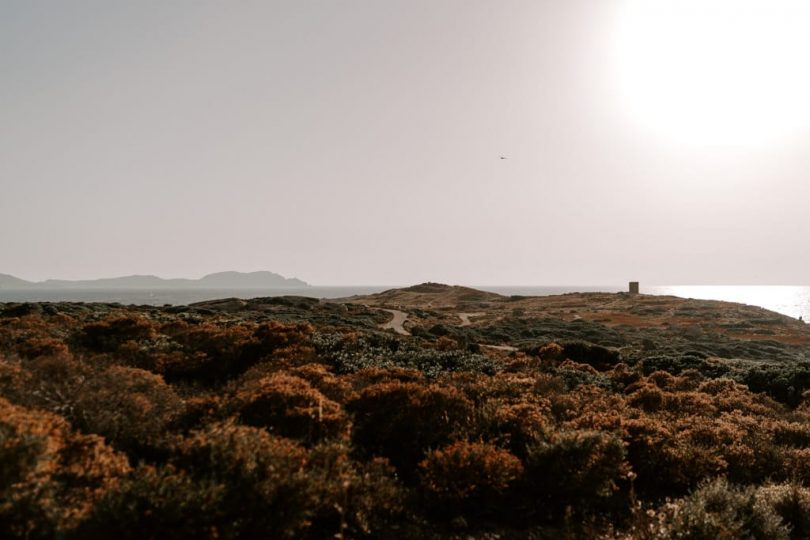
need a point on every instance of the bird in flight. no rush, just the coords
(504, 157)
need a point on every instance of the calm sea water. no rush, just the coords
(789, 300)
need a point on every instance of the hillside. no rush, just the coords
(220, 280)
(11, 282)
(427, 295)
(571, 416)
(662, 317)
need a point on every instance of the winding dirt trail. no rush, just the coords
(397, 322)
(465, 318)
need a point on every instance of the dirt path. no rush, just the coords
(396, 323)
(465, 318)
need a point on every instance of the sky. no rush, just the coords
(349, 142)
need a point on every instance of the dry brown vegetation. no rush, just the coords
(153, 423)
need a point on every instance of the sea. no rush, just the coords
(793, 301)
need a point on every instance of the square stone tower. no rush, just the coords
(634, 287)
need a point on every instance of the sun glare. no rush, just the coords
(726, 72)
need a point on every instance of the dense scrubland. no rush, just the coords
(293, 418)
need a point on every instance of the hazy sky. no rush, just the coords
(358, 142)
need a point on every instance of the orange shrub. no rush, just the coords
(350, 499)
(130, 407)
(467, 476)
(216, 352)
(262, 486)
(41, 346)
(15, 382)
(201, 410)
(318, 375)
(647, 397)
(444, 343)
(291, 343)
(333, 386)
(264, 491)
(108, 335)
(289, 406)
(157, 503)
(213, 353)
(513, 425)
(401, 421)
(50, 477)
(551, 352)
(371, 376)
(56, 382)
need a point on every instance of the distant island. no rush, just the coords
(219, 280)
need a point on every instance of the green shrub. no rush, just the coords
(719, 510)
(580, 469)
(792, 503)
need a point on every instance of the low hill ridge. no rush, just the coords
(219, 280)
(429, 294)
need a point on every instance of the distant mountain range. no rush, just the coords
(220, 280)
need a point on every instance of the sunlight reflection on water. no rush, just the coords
(793, 301)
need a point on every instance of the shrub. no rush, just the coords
(130, 407)
(575, 468)
(551, 352)
(370, 376)
(215, 353)
(791, 502)
(50, 477)
(516, 426)
(289, 406)
(333, 386)
(55, 383)
(647, 397)
(665, 461)
(468, 477)
(156, 503)
(108, 335)
(291, 343)
(15, 382)
(678, 364)
(41, 346)
(350, 354)
(719, 510)
(264, 489)
(784, 382)
(401, 421)
(350, 499)
(574, 375)
(212, 353)
(600, 358)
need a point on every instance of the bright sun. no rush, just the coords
(728, 72)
